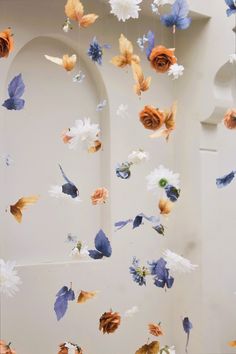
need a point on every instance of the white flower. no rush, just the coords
(81, 250)
(141, 41)
(138, 156)
(9, 279)
(67, 25)
(232, 58)
(83, 131)
(176, 70)
(178, 263)
(72, 348)
(131, 312)
(79, 77)
(56, 192)
(161, 177)
(122, 111)
(125, 9)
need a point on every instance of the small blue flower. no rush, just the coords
(138, 273)
(225, 180)
(161, 274)
(95, 51)
(172, 193)
(123, 170)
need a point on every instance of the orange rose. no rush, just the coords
(155, 329)
(99, 196)
(5, 348)
(64, 349)
(230, 119)
(6, 43)
(162, 58)
(152, 118)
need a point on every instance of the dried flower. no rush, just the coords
(162, 58)
(109, 322)
(6, 43)
(152, 118)
(155, 329)
(100, 196)
(165, 206)
(230, 119)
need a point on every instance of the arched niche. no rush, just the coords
(33, 138)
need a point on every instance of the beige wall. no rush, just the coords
(201, 226)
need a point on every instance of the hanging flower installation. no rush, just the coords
(84, 131)
(125, 9)
(9, 279)
(74, 10)
(67, 62)
(6, 43)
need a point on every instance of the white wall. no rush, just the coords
(197, 226)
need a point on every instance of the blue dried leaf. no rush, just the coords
(178, 15)
(120, 224)
(187, 325)
(61, 304)
(137, 221)
(69, 187)
(16, 89)
(151, 43)
(232, 7)
(102, 245)
(225, 180)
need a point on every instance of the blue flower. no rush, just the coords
(172, 193)
(138, 273)
(161, 274)
(95, 51)
(123, 170)
(225, 180)
(232, 7)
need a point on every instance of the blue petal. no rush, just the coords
(230, 12)
(70, 189)
(178, 15)
(16, 87)
(187, 325)
(14, 104)
(172, 193)
(95, 254)
(151, 43)
(225, 180)
(102, 244)
(137, 221)
(120, 224)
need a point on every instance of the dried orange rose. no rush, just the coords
(230, 119)
(232, 344)
(109, 322)
(6, 43)
(5, 348)
(162, 58)
(152, 118)
(96, 147)
(155, 329)
(100, 196)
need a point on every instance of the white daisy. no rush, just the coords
(176, 70)
(56, 192)
(125, 9)
(161, 177)
(232, 58)
(138, 156)
(122, 111)
(131, 312)
(178, 263)
(9, 279)
(84, 131)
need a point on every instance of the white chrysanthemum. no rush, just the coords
(177, 263)
(72, 348)
(131, 312)
(232, 58)
(9, 280)
(56, 192)
(176, 70)
(138, 156)
(122, 111)
(84, 131)
(161, 177)
(125, 9)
